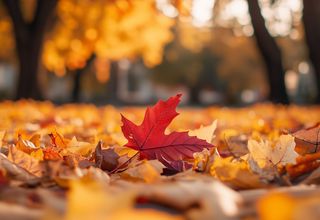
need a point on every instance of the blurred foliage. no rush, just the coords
(210, 41)
(109, 29)
(6, 37)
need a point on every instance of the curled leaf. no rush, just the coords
(106, 159)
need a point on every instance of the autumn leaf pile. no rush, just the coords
(88, 162)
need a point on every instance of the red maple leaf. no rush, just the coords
(151, 142)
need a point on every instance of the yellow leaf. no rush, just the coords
(25, 145)
(89, 200)
(92, 200)
(286, 206)
(35, 139)
(79, 147)
(148, 171)
(235, 173)
(205, 132)
(121, 151)
(276, 206)
(37, 154)
(58, 140)
(267, 154)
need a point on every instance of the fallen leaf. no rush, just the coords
(276, 206)
(307, 163)
(151, 141)
(205, 132)
(121, 151)
(266, 155)
(213, 199)
(237, 145)
(25, 145)
(13, 171)
(25, 161)
(90, 200)
(280, 205)
(37, 154)
(35, 139)
(51, 153)
(106, 159)
(308, 139)
(203, 160)
(58, 140)
(235, 173)
(80, 147)
(146, 170)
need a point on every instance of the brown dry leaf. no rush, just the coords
(25, 161)
(237, 145)
(267, 154)
(307, 163)
(106, 159)
(313, 178)
(205, 132)
(9, 211)
(146, 170)
(236, 173)
(13, 171)
(308, 139)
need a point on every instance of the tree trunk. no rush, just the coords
(194, 95)
(311, 21)
(76, 90)
(112, 84)
(76, 86)
(29, 41)
(271, 55)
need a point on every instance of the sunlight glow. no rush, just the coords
(281, 15)
(167, 9)
(202, 12)
(304, 67)
(238, 9)
(291, 80)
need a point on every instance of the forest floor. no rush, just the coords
(87, 162)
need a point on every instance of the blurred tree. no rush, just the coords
(110, 30)
(29, 35)
(271, 55)
(84, 33)
(311, 21)
(6, 39)
(189, 64)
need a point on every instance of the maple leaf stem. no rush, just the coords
(123, 164)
